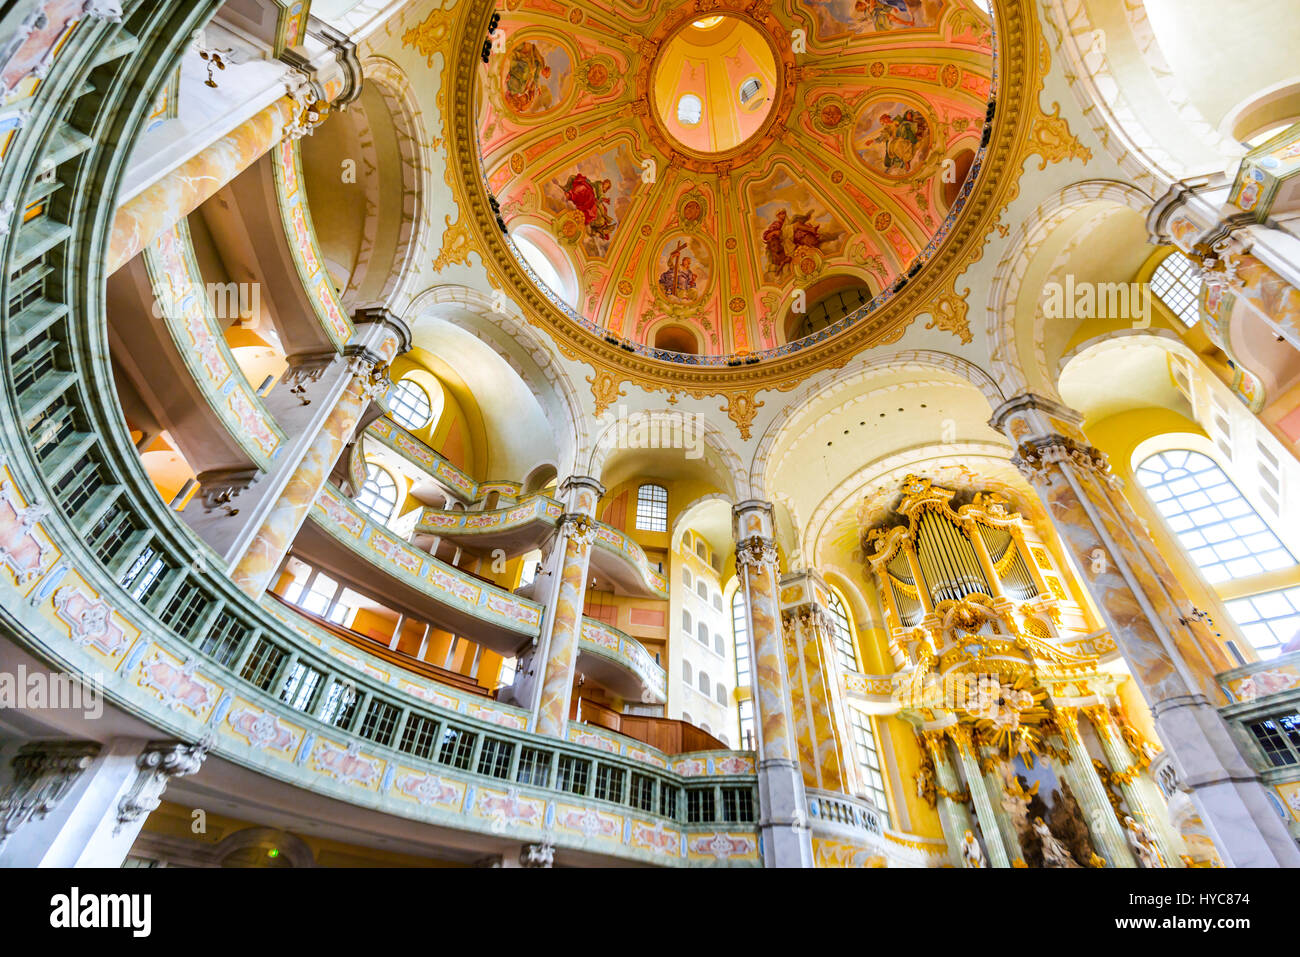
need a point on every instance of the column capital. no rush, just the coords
(44, 772)
(1035, 458)
(158, 764)
(578, 528)
(756, 552)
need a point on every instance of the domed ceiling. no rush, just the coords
(723, 179)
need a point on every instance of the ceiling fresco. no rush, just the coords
(704, 181)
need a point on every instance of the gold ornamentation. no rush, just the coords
(430, 36)
(605, 389)
(456, 244)
(741, 408)
(1051, 139)
(948, 312)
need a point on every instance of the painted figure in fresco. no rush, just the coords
(774, 242)
(592, 200)
(901, 136)
(884, 14)
(805, 232)
(524, 76)
(678, 280)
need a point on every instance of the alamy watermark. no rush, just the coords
(45, 690)
(226, 301)
(1074, 299)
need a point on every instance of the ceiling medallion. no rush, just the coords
(930, 279)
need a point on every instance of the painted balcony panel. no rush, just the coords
(620, 663)
(515, 529)
(342, 540)
(621, 560)
(200, 339)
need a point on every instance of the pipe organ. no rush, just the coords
(935, 553)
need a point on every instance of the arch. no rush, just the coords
(539, 478)
(1132, 97)
(856, 373)
(379, 495)
(294, 848)
(412, 404)
(522, 348)
(547, 260)
(728, 471)
(686, 515)
(1005, 291)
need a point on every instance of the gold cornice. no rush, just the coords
(1020, 127)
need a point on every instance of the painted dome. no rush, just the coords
(727, 181)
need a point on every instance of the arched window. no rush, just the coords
(409, 404)
(701, 550)
(720, 694)
(686, 577)
(687, 718)
(686, 621)
(705, 729)
(702, 633)
(740, 635)
(864, 736)
(718, 645)
(1222, 532)
(705, 684)
(378, 496)
(717, 601)
(1176, 283)
(652, 508)
(843, 635)
(687, 674)
(702, 590)
(549, 263)
(746, 709)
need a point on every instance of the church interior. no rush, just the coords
(607, 433)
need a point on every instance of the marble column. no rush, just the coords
(990, 762)
(979, 796)
(1140, 792)
(783, 820)
(82, 803)
(571, 556)
(953, 814)
(1173, 657)
(1107, 834)
(184, 189)
(823, 734)
(377, 344)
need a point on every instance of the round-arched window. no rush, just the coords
(378, 496)
(409, 404)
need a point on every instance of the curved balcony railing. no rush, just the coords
(457, 484)
(201, 343)
(489, 609)
(517, 528)
(621, 663)
(100, 578)
(623, 560)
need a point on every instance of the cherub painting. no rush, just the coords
(837, 19)
(536, 77)
(789, 219)
(892, 139)
(591, 198)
